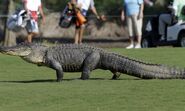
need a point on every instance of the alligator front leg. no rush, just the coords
(59, 71)
(59, 74)
(90, 63)
(85, 74)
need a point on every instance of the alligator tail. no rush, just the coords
(118, 63)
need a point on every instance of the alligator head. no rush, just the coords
(33, 53)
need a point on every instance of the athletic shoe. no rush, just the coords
(130, 46)
(138, 46)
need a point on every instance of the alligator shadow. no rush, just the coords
(31, 81)
(54, 81)
(46, 81)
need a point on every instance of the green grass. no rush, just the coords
(26, 87)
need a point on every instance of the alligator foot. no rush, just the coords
(58, 80)
(84, 78)
(115, 76)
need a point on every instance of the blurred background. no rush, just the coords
(112, 31)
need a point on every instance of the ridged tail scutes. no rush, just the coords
(159, 72)
(140, 69)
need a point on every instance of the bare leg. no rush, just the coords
(139, 39)
(30, 36)
(131, 40)
(138, 45)
(77, 31)
(81, 32)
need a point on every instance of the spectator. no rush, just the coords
(33, 7)
(83, 5)
(168, 19)
(133, 9)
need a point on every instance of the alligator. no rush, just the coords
(84, 58)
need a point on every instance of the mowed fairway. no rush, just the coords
(26, 87)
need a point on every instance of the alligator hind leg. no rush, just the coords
(90, 63)
(116, 75)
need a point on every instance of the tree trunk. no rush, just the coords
(9, 36)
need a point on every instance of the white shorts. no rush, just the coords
(32, 26)
(134, 25)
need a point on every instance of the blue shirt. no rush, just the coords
(132, 6)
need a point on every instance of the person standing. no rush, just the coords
(133, 13)
(33, 8)
(84, 6)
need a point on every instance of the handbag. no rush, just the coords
(66, 18)
(80, 18)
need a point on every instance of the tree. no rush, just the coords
(9, 36)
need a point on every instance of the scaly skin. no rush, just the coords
(82, 58)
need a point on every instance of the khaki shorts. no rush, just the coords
(134, 26)
(32, 26)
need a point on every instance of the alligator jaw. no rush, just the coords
(34, 60)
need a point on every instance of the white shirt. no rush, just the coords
(32, 5)
(86, 3)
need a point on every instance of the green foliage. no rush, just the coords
(26, 87)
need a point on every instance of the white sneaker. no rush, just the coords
(138, 46)
(130, 46)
